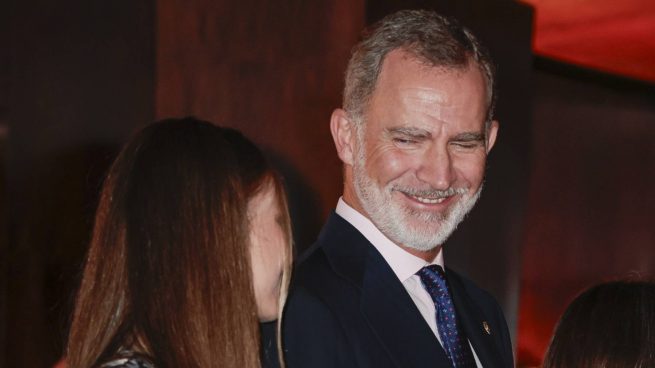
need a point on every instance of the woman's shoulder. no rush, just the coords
(128, 359)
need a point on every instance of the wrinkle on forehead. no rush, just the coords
(437, 105)
(437, 93)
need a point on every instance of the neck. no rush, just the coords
(351, 199)
(427, 256)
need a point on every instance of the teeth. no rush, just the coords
(429, 200)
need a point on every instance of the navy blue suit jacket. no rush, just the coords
(347, 309)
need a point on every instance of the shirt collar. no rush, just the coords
(403, 264)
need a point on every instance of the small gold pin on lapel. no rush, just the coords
(487, 329)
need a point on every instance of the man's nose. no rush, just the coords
(436, 168)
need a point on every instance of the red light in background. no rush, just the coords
(617, 37)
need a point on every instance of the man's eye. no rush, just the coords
(404, 141)
(467, 145)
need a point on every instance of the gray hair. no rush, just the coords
(434, 39)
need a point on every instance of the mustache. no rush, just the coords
(430, 192)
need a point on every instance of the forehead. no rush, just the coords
(407, 85)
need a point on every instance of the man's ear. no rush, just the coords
(491, 135)
(343, 134)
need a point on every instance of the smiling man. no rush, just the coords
(414, 134)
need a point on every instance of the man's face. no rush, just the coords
(419, 155)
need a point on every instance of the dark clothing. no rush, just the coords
(269, 345)
(269, 356)
(128, 359)
(348, 309)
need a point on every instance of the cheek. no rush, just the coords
(274, 246)
(387, 164)
(470, 169)
(267, 262)
(266, 271)
(258, 269)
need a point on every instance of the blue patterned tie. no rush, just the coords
(452, 336)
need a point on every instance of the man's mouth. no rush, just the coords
(431, 197)
(427, 200)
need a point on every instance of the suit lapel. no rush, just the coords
(391, 313)
(473, 322)
(386, 305)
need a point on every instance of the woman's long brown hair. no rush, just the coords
(168, 270)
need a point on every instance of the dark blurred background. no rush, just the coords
(567, 200)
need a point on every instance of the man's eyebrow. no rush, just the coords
(410, 132)
(469, 137)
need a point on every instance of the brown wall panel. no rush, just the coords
(271, 69)
(80, 79)
(4, 103)
(590, 207)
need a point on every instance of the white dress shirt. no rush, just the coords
(403, 264)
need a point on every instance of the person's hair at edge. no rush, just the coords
(436, 40)
(168, 268)
(611, 325)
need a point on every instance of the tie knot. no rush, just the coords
(434, 280)
(432, 271)
(437, 269)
